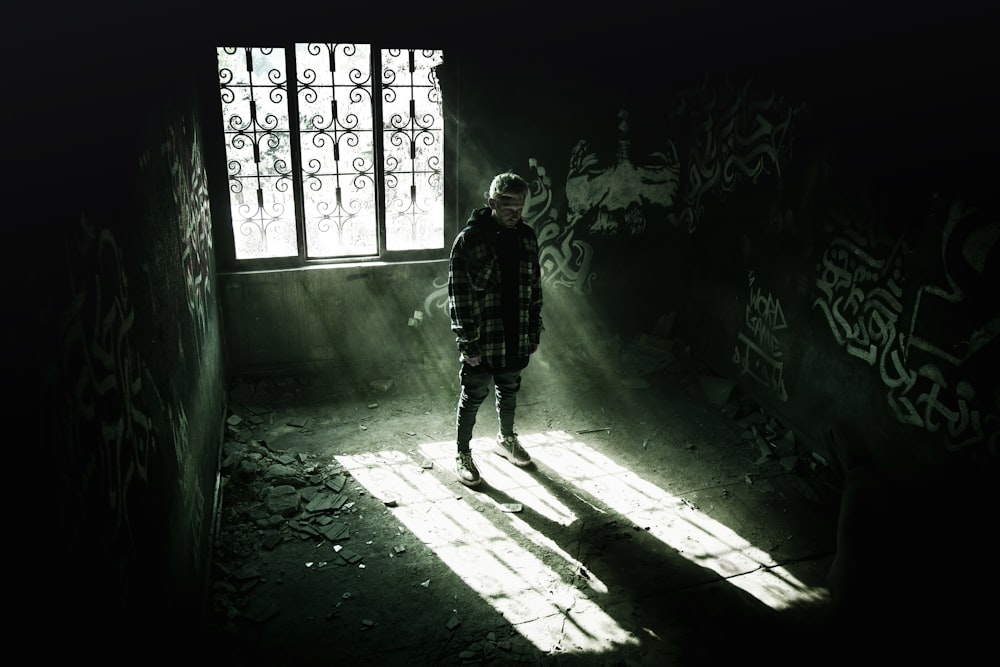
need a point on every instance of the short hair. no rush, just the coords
(507, 183)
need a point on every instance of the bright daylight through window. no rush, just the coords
(334, 151)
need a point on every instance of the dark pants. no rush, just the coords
(475, 381)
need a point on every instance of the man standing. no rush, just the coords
(495, 302)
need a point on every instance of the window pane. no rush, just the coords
(335, 118)
(255, 117)
(413, 149)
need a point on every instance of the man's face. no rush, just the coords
(507, 209)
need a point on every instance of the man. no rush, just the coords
(495, 302)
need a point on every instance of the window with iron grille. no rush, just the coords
(334, 152)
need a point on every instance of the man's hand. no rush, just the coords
(472, 361)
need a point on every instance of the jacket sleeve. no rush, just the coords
(535, 303)
(463, 307)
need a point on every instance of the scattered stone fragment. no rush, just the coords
(280, 470)
(246, 586)
(453, 622)
(337, 482)
(282, 499)
(304, 529)
(246, 573)
(347, 557)
(392, 502)
(260, 612)
(511, 507)
(381, 384)
(323, 502)
(298, 422)
(336, 531)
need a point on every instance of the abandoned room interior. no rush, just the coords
(762, 414)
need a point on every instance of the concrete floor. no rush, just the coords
(665, 521)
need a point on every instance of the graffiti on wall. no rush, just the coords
(758, 351)
(190, 188)
(864, 302)
(564, 261)
(190, 492)
(189, 201)
(104, 433)
(612, 198)
(738, 135)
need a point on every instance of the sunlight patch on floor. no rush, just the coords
(542, 603)
(694, 535)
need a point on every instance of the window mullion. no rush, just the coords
(378, 158)
(295, 148)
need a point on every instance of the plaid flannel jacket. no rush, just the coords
(474, 290)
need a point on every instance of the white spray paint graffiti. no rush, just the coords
(758, 353)
(863, 302)
(615, 195)
(102, 426)
(564, 261)
(738, 135)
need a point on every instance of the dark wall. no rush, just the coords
(115, 338)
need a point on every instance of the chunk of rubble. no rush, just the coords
(282, 499)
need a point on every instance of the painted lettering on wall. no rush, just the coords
(181, 151)
(758, 351)
(189, 491)
(564, 260)
(100, 402)
(737, 134)
(190, 191)
(921, 359)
